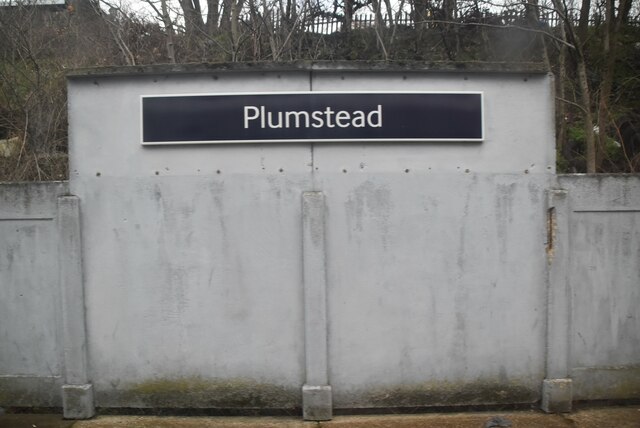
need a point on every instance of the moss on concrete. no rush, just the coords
(479, 392)
(606, 383)
(30, 391)
(316, 66)
(197, 392)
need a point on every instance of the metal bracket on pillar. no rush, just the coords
(316, 392)
(557, 391)
(77, 391)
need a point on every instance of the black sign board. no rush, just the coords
(314, 116)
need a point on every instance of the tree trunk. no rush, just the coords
(420, 11)
(612, 27)
(235, 28)
(561, 120)
(255, 30)
(390, 17)
(588, 117)
(583, 82)
(213, 16)
(449, 9)
(168, 25)
(625, 9)
(532, 13)
(450, 34)
(275, 52)
(192, 13)
(225, 18)
(583, 23)
(378, 15)
(347, 21)
(379, 28)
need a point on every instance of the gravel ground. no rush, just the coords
(604, 417)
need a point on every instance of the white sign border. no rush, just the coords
(313, 140)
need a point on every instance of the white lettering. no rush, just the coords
(377, 113)
(358, 119)
(297, 115)
(270, 121)
(328, 112)
(317, 119)
(247, 118)
(318, 122)
(340, 116)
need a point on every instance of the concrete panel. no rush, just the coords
(77, 392)
(32, 201)
(30, 391)
(72, 293)
(316, 392)
(315, 288)
(433, 281)
(558, 293)
(602, 192)
(518, 125)
(604, 275)
(105, 129)
(28, 309)
(557, 388)
(193, 289)
(606, 383)
(557, 395)
(436, 250)
(30, 343)
(192, 253)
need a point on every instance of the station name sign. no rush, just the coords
(312, 116)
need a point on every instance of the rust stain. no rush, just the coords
(552, 228)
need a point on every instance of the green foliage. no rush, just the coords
(562, 166)
(576, 133)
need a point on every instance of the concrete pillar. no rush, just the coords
(316, 392)
(557, 387)
(77, 391)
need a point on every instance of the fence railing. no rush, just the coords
(328, 25)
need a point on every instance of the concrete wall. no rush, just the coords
(30, 304)
(434, 252)
(377, 275)
(604, 278)
(193, 276)
(435, 293)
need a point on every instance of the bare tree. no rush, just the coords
(612, 26)
(167, 22)
(585, 90)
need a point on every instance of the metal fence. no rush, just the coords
(327, 25)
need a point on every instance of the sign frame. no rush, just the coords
(313, 140)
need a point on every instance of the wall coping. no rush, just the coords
(316, 67)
